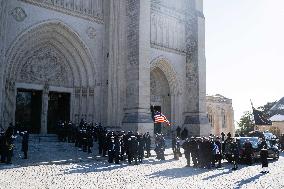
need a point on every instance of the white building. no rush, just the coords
(220, 114)
(102, 60)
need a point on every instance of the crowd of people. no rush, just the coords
(208, 152)
(202, 152)
(6, 143)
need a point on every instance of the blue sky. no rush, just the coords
(245, 51)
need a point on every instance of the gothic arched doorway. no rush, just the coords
(160, 98)
(50, 69)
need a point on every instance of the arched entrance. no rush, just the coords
(165, 93)
(160, 97)
(50, 75)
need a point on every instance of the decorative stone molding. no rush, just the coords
(166, 23)
(18, 14)
(44, 66)
(87, 9)
(91, 32)
(132, 12)
(91, 92)
(77, 92)
(84, 92)
(50, 54)
(171, 75)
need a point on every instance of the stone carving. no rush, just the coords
(91, 32)
(89, 9)
(166, 23)
(153, 85)
(132, 12)
(44, 66)
(84, 91)
(77, 92)
(18, 14)
(91, 92)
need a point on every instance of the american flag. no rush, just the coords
(160, 118)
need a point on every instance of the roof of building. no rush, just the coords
(278, 108)
(218, 98)
(277, 117)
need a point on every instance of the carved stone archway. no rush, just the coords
(162, 66)
(50, 56)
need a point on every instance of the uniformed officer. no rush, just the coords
(25, 143)
(148, 144)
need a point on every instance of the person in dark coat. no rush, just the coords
(263, 159)
(186, 147)
(193, 148)
(184, 134)
(178, 130)
(263, 155)
(248, 152)
(117, 149)
(25, 143)
(148, 144)
(111, 150)
(141, 145)
(133, 150)
(218, 152)
(2, 147)
(160, 147)
(235, 155)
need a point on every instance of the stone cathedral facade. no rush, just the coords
(106, 61)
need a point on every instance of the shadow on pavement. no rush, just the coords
(178, 172)
(246, 181)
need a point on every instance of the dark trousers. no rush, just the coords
(110, 156)
(25, 154)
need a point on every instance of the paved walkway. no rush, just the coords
(61, 165)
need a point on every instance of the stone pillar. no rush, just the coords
(137, 112)
(195, 110)
(44, 109)
(3, 20)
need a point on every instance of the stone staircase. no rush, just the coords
(43, 138)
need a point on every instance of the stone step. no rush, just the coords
(37, 138)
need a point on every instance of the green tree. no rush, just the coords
(246, 123)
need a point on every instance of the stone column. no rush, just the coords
(44, 109)
(195, 110)
(3, 20)
(137, 112)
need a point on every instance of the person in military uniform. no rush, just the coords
(160, 147)
(263, 158)
(228, 150)
(184, 134)
(193, 147)
(148, 144)
(218, 152)
(178, 130)
(117, 148)
(25, 143)
(235, 154)
(141, 146)
(248, 152)
(111, 149)
(2, 147)
(187, 151)
(133, 149)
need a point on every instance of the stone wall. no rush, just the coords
(52, 49)
(220, 114)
